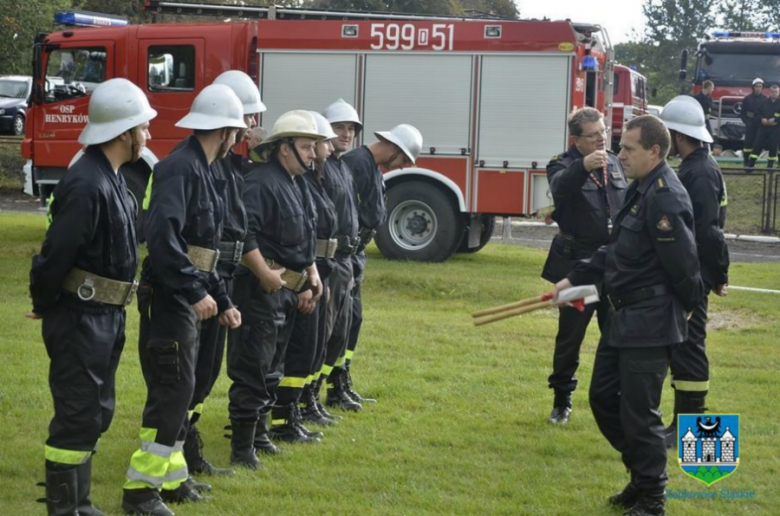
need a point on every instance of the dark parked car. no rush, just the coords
(14, 95)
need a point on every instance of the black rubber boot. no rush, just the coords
(648, 505)
(242, 450)
(193, 454)
(144, 502)
(337, 392)
(263, 442)
(61, 490)
(182, 494)
(298, 422)
(751, 164)
(316, 393)
(84, 485)
(561, 408)
(310, 412)
(352, 394)
(284, 425)
(200, 487)
(626, 498)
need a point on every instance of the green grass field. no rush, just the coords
(460, 427)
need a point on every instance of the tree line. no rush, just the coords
(670, 26)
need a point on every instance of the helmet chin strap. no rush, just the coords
(291, 143)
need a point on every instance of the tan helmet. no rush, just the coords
(685, 115)
(406, 137)
(116, 106)
(323, 126)
(294, 124)
(342, 111)
(245, 88)
(215, 107)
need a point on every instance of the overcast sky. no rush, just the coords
(617, 16)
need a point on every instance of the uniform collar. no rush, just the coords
(195, 145)
(697, 153)
(646, 181)
(575, 152)
(97, 153)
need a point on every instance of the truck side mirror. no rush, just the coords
(683, 64)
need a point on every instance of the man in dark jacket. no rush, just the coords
(750, 117)
(704, 98)
(768, 136)
(651, 276)
(587, 185)
(702, 179)
(80, 284)
(183, 231)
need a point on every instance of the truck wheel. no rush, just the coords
(422, 224)
(488, 225)
(19, 124)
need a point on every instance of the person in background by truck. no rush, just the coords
(704, 97)
(587, 185)
(751, 105)
(768, 137)
(80, 284)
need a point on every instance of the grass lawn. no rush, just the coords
(460, 426)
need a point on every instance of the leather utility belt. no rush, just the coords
(295, 280)
(203, 259)
(569, 243)
(231, 252)
(365, 235)
(327, 248)
(643, 294)
(91, 287)
(347, 245)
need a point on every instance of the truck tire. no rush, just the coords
(488, 225)
(422, 224)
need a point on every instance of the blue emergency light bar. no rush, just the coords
(589, 63)
(88, 19)
(731, 34)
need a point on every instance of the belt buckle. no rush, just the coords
(302, 281)
(214, 260)
(132, 290)
(333, 245)
(86, 291)
(238, 252)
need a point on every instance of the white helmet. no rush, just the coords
(323, 126)
(294, 124)
(116, 106)
(215, 107)
(243, 86)
(341, 111)
(685, 115)
(406, 137)
(757, 80)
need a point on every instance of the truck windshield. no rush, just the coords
(74, 72)
(738, 69)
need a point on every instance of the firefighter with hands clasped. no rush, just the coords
(396, 148)
(277, 277)
(702, 178)
(587, 185)
(750, 116)
(650, 271)
(180, 288)
(768, 136)
(80, 284)
(227, 171)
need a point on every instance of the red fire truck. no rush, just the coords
(732, 60)
(490, 96)
(629, 100)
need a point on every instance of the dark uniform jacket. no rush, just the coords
(651, 251)
(750, 108)
(369, 186)
(338, 183)
(326, 218)
(706, 103)
(227, 171)
(702, 178)
(282, 217)
(583, 209)
(185, 209)
(770, 109)
(92, 228)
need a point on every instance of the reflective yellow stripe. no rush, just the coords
(326, 369)
(61, 456)
(149, 464)
(747, 151)
(685, 385)
(177, 469)
(349, 353)
(199, 408)
(340, 362)
(309, 379)
(278, 422)
(48, 210)
(754, 156)
(725, 200)
(148, 194)
(293, 382)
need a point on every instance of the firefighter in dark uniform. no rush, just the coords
(227, 171)
(651, 275)
(702, 179)
(394, 149)
(80, 284)
(587, 185)
(337, 179)
(750, 117)
(278, 264)
(768, 137)
(180, 288)
(704, 98)
(307, 340)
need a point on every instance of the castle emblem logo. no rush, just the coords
(708, 445)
